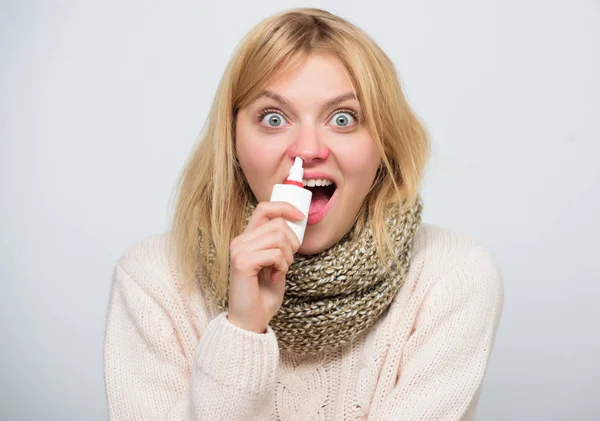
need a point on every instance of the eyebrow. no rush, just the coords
(331, 102)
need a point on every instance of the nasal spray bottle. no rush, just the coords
(293, 191)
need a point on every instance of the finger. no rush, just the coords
(265, 259)
(250, 264)
(262, 236)
(278, 276)
(266, 275)
(266, 211)
(272, 239)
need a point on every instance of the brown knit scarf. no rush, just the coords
(333, 296)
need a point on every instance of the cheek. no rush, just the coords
(245, 143)
(257, 158)
(359, 161)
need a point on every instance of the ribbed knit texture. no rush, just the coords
(172, 357)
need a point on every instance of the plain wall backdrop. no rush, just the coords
(101, 103)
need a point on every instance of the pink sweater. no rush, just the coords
(172, 357)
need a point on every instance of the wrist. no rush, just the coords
(246, 326)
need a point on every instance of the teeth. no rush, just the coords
(316, 182)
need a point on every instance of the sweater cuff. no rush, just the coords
(238, 358)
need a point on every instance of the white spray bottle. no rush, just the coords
(293, 191)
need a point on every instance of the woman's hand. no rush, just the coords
(259, 260)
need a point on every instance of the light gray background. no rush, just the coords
(101, 102)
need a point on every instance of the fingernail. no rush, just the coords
(300, 214)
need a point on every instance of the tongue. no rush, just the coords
(319, 200)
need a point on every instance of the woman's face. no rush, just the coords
(310, 112)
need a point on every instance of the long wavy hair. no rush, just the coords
(212, 192)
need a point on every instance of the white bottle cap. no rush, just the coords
(297, 172)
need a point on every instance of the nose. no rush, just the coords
(308, 146)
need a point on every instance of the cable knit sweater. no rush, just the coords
(173, 357)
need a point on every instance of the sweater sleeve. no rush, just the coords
(444, 361)
(147, 377)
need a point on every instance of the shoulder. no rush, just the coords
(149, 255)
(147, 293)
(444, 259)
(146, 267)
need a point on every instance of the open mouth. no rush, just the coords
(322, 192)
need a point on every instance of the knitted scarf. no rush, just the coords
(334, 296)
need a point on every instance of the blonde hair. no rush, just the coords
(213, 193)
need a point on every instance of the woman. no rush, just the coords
(373, 317)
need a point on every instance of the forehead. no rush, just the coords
(314, 78)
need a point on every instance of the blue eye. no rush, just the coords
(342, 119)
(273, 120)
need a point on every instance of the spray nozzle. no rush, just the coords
(297, 172)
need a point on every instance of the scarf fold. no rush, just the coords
(334, 296)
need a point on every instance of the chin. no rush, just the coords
(316, 239)
(311, 246)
